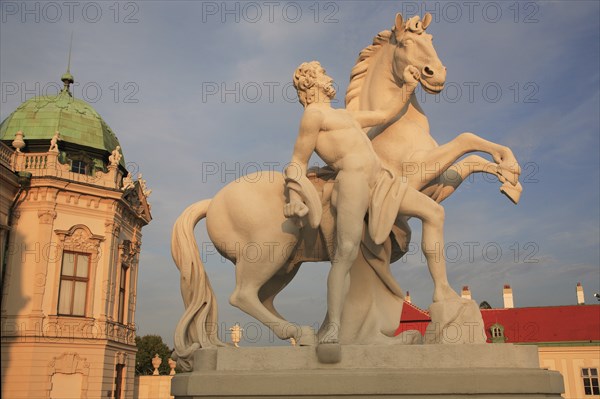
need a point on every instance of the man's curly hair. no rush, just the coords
(305, 78)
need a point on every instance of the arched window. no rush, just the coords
(497, 333)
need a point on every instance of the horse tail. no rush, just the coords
(197, 328)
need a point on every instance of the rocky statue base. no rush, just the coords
(386, 371)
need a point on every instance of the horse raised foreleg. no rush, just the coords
(442, 187)
(427, 165)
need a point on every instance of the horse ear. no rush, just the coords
(399, 22)
(426, 20)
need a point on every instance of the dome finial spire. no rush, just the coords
(67, 78)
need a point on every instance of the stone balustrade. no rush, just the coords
(47, 165)
(6, 155)
(55, 328)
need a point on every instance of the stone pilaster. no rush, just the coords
(112, 231)
(46, 219)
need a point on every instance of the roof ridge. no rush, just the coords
(417, 308)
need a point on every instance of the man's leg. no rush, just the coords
(351, 206)
(431, 214)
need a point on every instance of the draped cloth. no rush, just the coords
(386, 197)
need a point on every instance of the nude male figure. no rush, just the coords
(54, 142)
(336, 135)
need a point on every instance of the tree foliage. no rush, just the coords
(148, 346)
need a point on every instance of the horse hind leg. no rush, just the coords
(250, 278)
(304, 335)
(274, 286)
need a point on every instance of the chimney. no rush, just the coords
(580, 296)
(407, 297)
(466, 292)
(508, 297)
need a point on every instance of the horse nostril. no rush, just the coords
(428, 71)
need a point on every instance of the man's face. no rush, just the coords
(325, 83)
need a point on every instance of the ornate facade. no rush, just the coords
(71, 223)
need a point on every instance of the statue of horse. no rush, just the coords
(245, 219)
(405, 143)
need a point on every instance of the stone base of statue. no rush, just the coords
(381, 371)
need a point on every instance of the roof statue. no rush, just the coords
(353, 212)
(127, 182)
(54, 142)
(115, 156)
(144, 186)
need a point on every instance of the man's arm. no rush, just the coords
(310, 126)
(411, 78)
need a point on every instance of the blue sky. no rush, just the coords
(190, 86)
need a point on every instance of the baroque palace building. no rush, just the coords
(71, 221)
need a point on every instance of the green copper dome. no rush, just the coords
(78, 123)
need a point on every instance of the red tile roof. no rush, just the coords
(413, 318)
(546, 324)
(573, 323)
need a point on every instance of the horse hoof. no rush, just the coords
(509, 172)
(513, 193)
(329, 352)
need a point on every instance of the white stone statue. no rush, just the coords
(236, 334)
(383, 177)
(156, 362)
(18, 142)
(337, 136)
(144, 186)
(54, 142)
(172, 365)
(115, 157)
(127, 182)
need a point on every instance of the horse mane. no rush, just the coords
(359, 71)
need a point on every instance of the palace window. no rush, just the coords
(74, 279)
(497, 333)
(78, 166)
(122, 293)
(590, 381)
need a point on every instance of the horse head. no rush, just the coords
(414, 46)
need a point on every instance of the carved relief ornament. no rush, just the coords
(79, 238)
(46, 216)
(129, 250)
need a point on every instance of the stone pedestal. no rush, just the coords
(386, 371)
